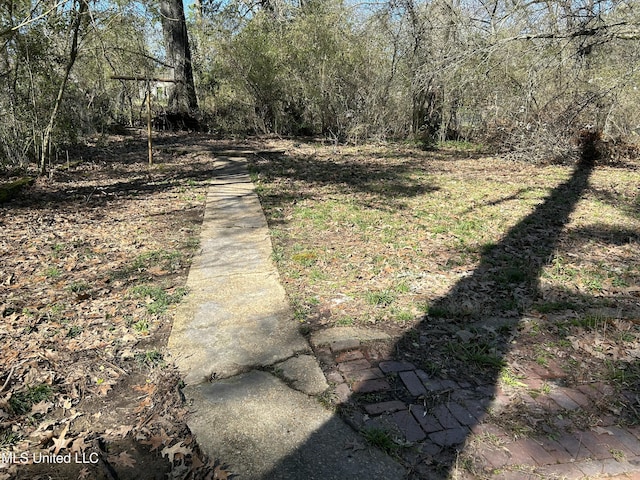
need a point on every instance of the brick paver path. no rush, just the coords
(556, 439)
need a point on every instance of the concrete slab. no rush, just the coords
(303, 374)
(240, 328)
(340, 334)
(267, 431)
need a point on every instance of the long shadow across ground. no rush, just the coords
(548, 431)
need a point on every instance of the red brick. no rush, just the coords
(396, 366)
(578, 397)
(531, 448)
(408, 426)
(626, 438)
(611, 466)
(565, 471)
(556, 450)
(349, 356)
(428, 422)
(462, 414)
(574, 446)
(635, 431)
(355, 365)
(589, 391)
(596, 444)
(477, 407)
(546, 403)
(343, 393)
(361, 375)
(565, 402)
(491, 430)
(604, 389)
(370, 386)
(450, 436)
(519, 454)
(449, 385)
(432, 385)
(444, 416)
(413, 383)
(534, 383)
(496, 458)
(385, 407)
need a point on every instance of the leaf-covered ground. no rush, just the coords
(94, 258)
(484, 270)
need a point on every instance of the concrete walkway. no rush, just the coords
(252, 380)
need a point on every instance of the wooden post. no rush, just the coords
(149, 141)
(148, 80)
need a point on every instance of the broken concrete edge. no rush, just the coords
(340, 339)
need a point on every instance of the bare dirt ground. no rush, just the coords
(94, 257)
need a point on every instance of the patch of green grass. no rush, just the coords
(74, 331)
(156, 257)
(21, 402)
(479, 354)
(550, 307)
(150, 358)
(8, 438)
(438, 311)
(158, 300)
(58, 249)
(78, 287)
(317, 275)
(589, 322)
(511, 275)
(141, 326)
(305, 258)
(345, 321)
(52, 272)
(380, 298)
(623, 374)
(432, 368)
(380, 438)
(460, 146)
(403, 316)
(508, 378)
(560, 270)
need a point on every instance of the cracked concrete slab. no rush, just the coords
(304, 374)
(267, 431)
(344, 334)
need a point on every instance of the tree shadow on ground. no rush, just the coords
(382, 183)
(473, 329)
(104, 175)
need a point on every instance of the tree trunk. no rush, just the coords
(182, 95)
(73, 54)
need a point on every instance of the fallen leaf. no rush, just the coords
(220, 473)
(143, 405)
(157, 440)
(41, 407)
(103, 389)
(121, 431)
(123, 459)
(177, 449)
(61, 442)
(79, 445)
(148, 388)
